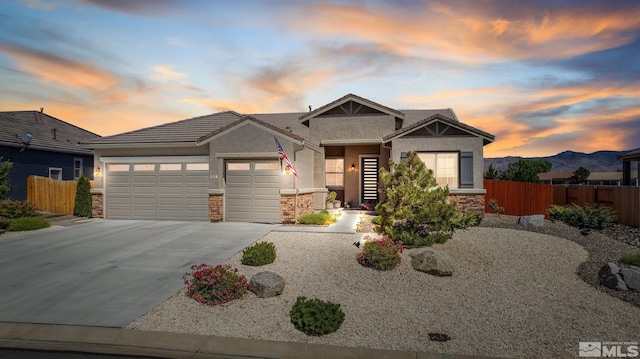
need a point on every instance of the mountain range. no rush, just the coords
(568, 161)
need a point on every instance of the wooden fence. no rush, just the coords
(518, 198)
(51, 195)
(624, 200)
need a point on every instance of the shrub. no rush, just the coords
(466, 220)
(259, 254)
(631, 258)
(4, 222)
(215, 285)
(381, 254)
(27, 224)
(16, 209)
(316, 317)
(83, 204)
(321, 218)
(585, 218)
(493, 204)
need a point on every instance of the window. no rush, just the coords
(444, 166)
(334, 172)
(243, 166)
(170, 167)
(144, 167)
(266, 166)
(55, 173)
(118, 168)
(77, 168)
(197, 166)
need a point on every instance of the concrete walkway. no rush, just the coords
(346, 223)
(174, 345)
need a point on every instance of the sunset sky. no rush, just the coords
(543, 76)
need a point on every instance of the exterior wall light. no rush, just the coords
(97, 172)
(353, 167)
(287, 170)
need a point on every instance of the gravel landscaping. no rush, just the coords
(514, 293)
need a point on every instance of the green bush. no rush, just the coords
(316, 317)
(585, 218)
(215, 285)
(414, 235)
(631, 258)
(27, 224)
(380, 254)
(259, 254)
(16, 209)
(321, 218)
(83, 205)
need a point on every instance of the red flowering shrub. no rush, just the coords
(381, 254)
(215, 285)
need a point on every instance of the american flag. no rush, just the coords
(285, 157)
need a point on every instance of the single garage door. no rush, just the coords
(163, 191)
(253, 191)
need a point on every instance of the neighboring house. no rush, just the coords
(42, 145)
(595, 178)
(627, 158)
(225, 166)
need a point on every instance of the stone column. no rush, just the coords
(216, 207)
(97, 203)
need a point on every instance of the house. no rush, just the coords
(42, 145)
(595, 178)
(226, 166)
(627, 158)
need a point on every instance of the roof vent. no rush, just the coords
(54, 131)
(41, 109)
(309, 108)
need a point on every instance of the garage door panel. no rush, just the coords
(117, 190)
(175, 179)
(112, 200)
(197, 201)
(174, 190)
(197, 190)
(140, 190)
(171, 201)
(236, 179)
(119, 179)
(146, 179)
(266, 180)
(253, 195)
(239, 215)
(199, 179)
(144, 201)
(144, 213)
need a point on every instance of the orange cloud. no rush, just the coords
(439, 31)
(68, 73)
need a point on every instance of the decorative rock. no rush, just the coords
(610, 277)
(631, 277)
(431, 261)
(536, 220)
(266, 284)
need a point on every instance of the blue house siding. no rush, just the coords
(37, 162)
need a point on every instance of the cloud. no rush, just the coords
(39, 4)
(474, 33)
(139, 7)
(165, 73)
(62, 71)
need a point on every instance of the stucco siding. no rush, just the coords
(443, 144)
(350, 128)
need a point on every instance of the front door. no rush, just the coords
(369, 180)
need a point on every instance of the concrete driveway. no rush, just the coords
(108, 272)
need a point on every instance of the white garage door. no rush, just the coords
(253, 191)
(164, 191)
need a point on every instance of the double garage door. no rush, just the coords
(173, 190)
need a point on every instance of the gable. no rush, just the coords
(439, 126)
(350, 108)
(438, 129)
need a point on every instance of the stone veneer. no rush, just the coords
(473, 203)
(287, 206)
(97, 205)
(216, 207)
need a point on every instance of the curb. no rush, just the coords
(117, 341)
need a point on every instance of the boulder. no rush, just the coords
(536, 220)
(610, 277)
(266, 284)
(431, 261)
(631, 276)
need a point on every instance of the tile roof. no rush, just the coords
(488, 138)
(49, 133)
(184, 131)
(253, 119)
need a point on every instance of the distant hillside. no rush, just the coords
(568, 161)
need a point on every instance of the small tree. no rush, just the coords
(5, 167)
(414, 207)
(581, 174)
(492, 173)
(83, 205)
(525, 170)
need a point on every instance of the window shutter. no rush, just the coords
(466, 169)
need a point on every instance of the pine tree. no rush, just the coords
(5, 167)
(83, 204)
(415, 211)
